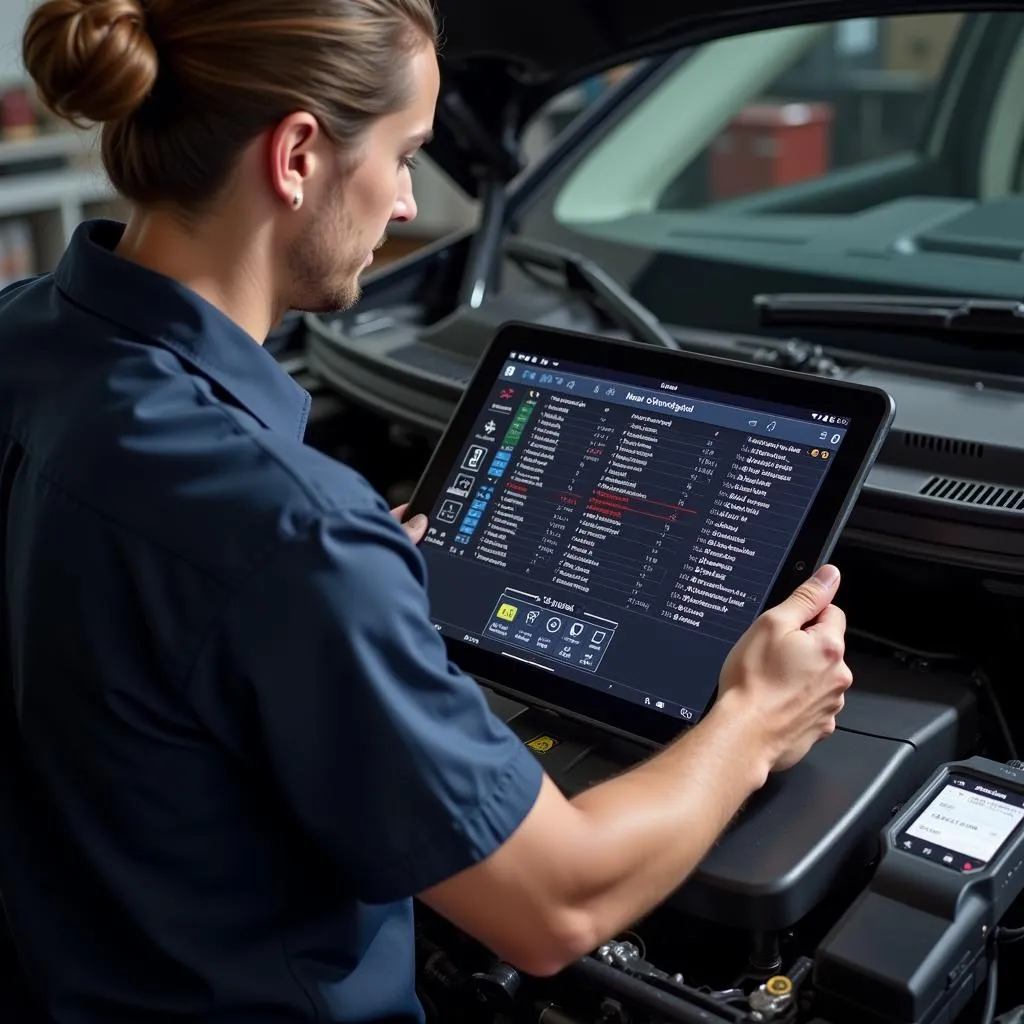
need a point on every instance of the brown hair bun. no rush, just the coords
(92, 60)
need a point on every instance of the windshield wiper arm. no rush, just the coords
(582, 274)
(994, 320)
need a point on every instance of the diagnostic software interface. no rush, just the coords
(965, 825)
(619, 531)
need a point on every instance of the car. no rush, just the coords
(744, 151)
(830, 188)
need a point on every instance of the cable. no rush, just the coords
(901, 648)
(978, 677)
(665, 1005)
(982, 681)
(988, 1015)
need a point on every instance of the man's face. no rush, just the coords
(326, 261)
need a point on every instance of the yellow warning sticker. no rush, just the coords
(507, 612)
(542, 744)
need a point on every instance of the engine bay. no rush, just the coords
(743, 938)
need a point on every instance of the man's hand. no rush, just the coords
(788, 670)
(416, 527)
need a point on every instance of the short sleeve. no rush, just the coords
(388, 756)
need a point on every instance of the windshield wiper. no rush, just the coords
(584, 275)
(996, 322)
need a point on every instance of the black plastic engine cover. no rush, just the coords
(808, 826)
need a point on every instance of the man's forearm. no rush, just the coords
(648, 829)
(575, 873)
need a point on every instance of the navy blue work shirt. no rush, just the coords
(235, 748)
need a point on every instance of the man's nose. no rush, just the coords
(405, 208)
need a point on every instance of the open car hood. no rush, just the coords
(502, 60)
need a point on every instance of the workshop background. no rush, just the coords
(866, 86)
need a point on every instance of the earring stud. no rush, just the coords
(297, 199)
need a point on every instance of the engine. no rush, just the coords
(621, 982)
(794, 915)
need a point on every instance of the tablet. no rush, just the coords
(607, 518)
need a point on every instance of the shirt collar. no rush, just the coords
(163, 312)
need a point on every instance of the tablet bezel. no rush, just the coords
(870, 411)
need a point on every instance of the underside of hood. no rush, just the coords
(502, 60)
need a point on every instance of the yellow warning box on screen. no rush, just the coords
(507, 612)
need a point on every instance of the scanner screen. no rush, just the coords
(965, 825)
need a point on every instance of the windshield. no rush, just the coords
(880, 155)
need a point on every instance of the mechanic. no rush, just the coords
(235, 749)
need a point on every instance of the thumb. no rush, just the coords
(812, 597)
(416, 528)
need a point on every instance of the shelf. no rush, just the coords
(51, 190)
(65, 144)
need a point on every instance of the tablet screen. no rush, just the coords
(620, 532)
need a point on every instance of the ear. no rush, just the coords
(291, 155)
